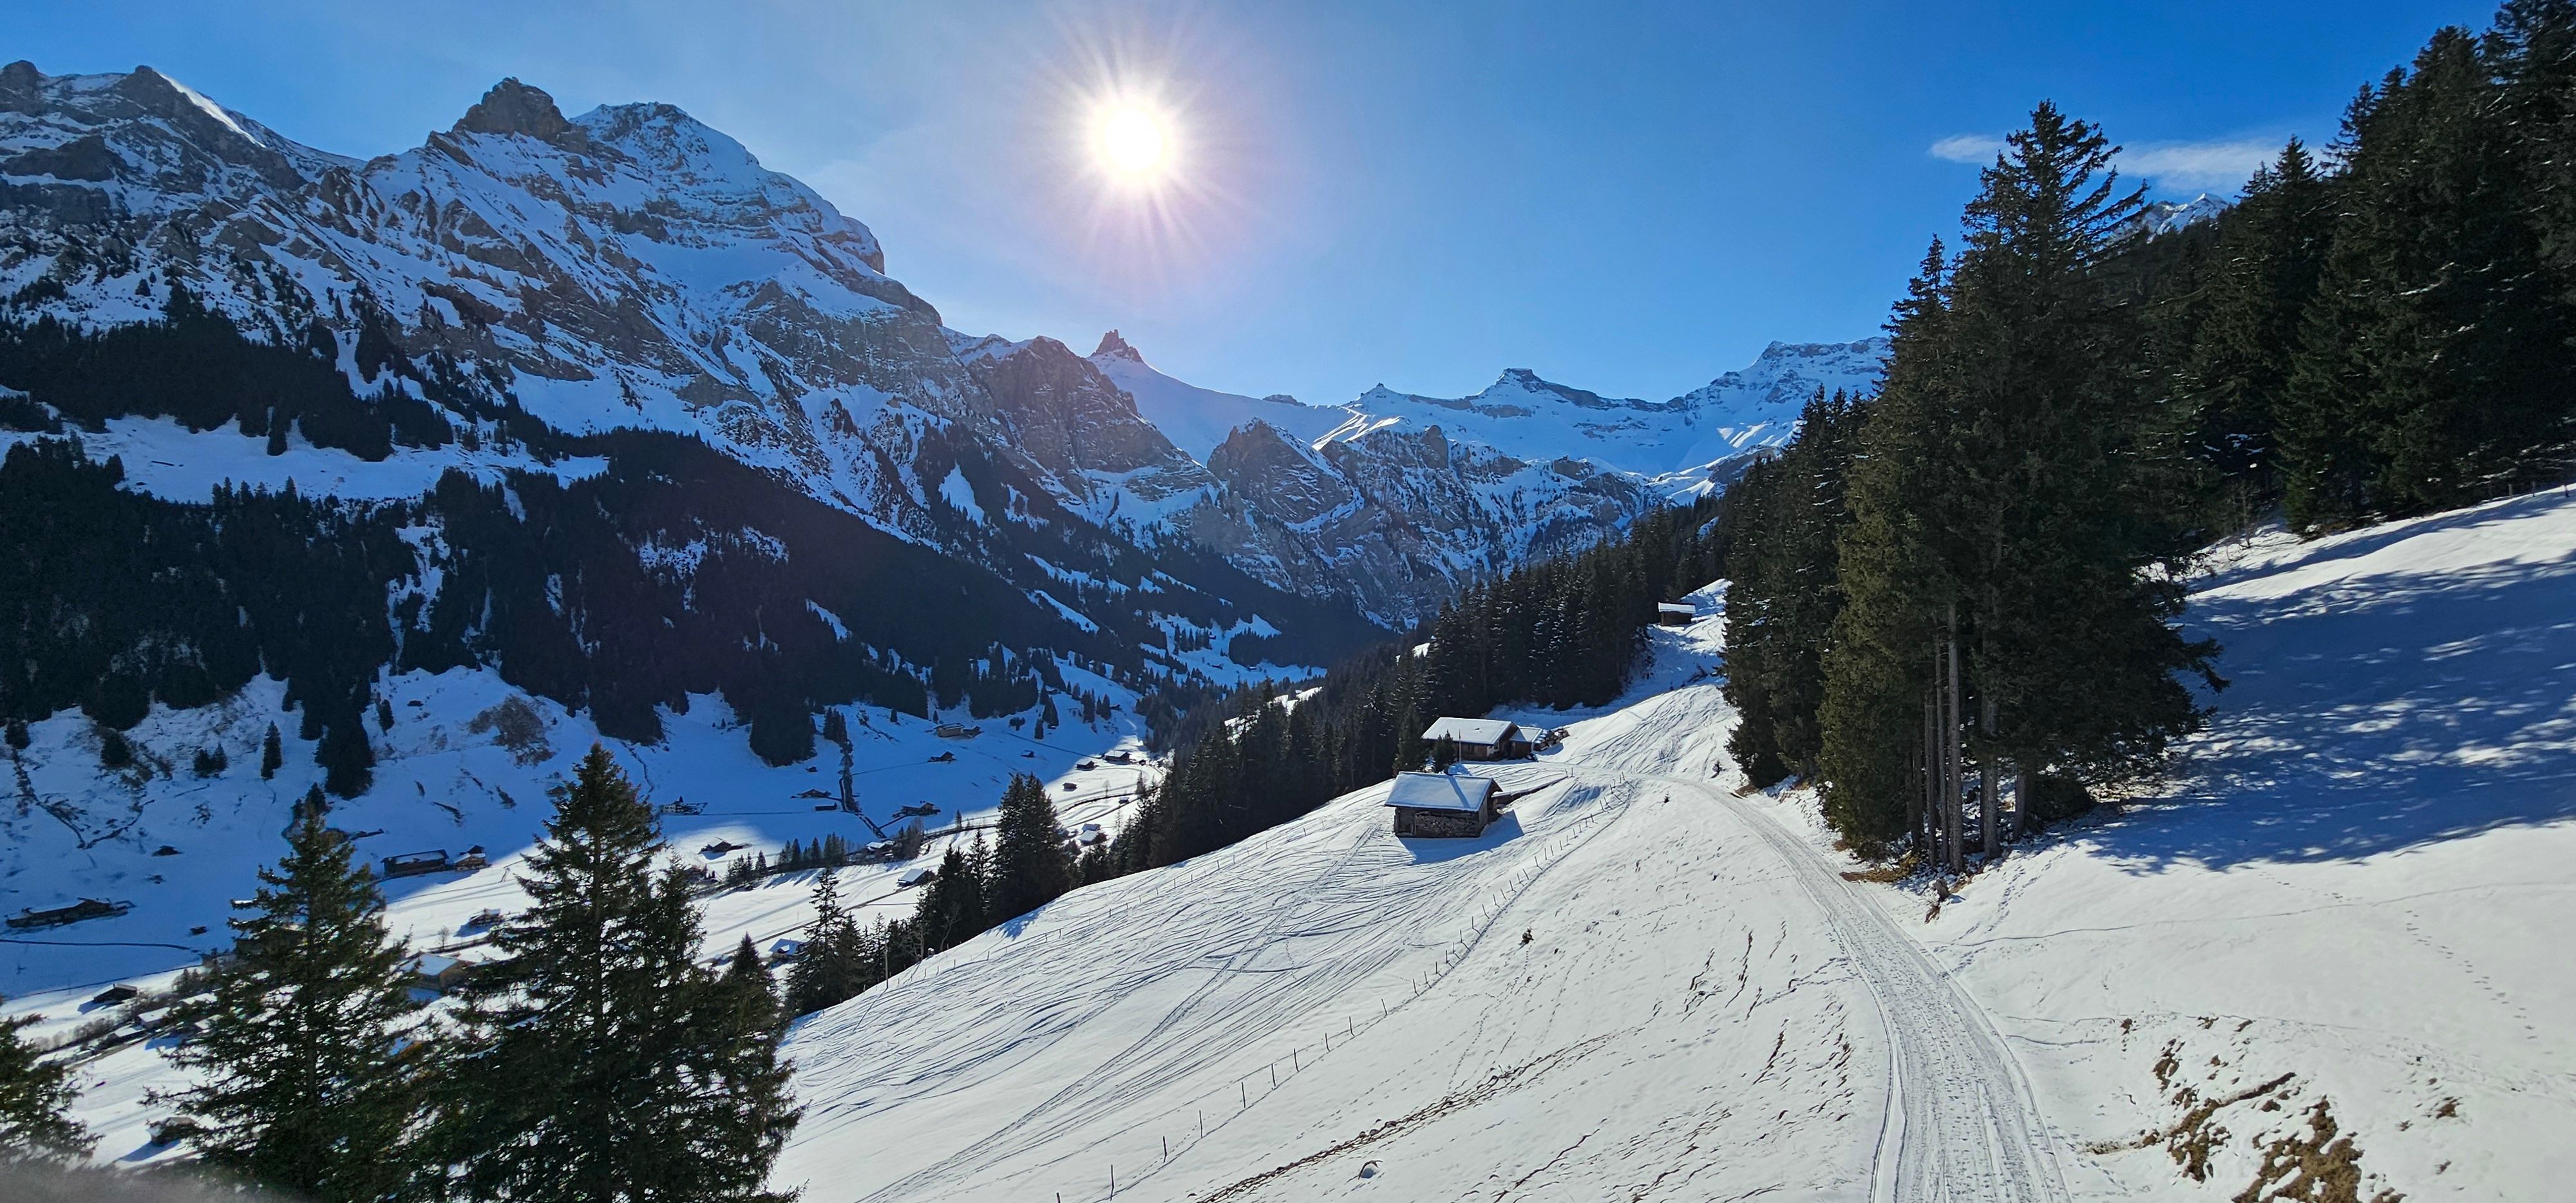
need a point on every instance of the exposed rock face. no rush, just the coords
(630, 267)
(512, 107)
(1397, 518)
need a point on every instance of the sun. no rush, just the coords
(1133, 143)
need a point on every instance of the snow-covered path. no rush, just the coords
(1960, 1123)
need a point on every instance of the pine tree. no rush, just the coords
(1409, 748)
(311, 1051)
(272, 754)
(2433, 367)
(2010, 495)
(826, 969)
(1029, 867)
(753, 1112)
(2271, 254)
(35, 1101)
(952, 909)
(611, 1067)
(17, 735)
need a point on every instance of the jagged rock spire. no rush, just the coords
(1115, 347)
(512, 107)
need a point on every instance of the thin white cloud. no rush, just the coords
(1974, 149)
(2219, 164)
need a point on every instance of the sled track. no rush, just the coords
(1959, 1125)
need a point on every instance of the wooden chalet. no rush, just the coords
(86, 908)
(1481, 738)
(413, 864)
(1441, 804)
(1674, 614)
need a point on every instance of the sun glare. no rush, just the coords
(1134, 144)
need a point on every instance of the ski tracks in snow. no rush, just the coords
(1960, 1124)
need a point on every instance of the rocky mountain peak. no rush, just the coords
(512, 107)
(1115, 347)
(18, 83)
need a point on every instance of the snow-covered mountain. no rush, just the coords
(1400, 497)
(1196, 419)
(1676, 441)
(630, 268)
(2164, 217)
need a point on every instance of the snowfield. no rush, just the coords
(2332, 944)
(1630, 987)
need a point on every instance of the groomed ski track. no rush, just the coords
(1634, 987)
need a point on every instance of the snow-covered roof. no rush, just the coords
(1471, 730)
(430, 964)
(1440, 791)
(1675, 608)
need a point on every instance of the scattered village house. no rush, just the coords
(1481, 738)
(1441, 804)
(430, 971)
(412, 864)
(1674, 614)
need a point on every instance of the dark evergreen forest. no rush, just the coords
(1968, 585)
(111, 599)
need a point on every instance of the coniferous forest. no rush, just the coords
(1969, 583)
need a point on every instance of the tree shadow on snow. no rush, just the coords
(2374, 716)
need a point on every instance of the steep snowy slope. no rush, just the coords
(2326, 957)
(1198, 419)
(2355, 892)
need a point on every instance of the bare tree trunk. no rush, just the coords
(1927, 799)
(1990, 783)
(1950, 790)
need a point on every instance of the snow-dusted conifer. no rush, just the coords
(310, 1049)
(611, 1067)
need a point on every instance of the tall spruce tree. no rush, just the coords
(1029, 866)
(2010, 497)
(2271, 253)
(830, 965)
(1786, 515)
(2433, 369)
(610, 1067)
(312, 1056)
(35, 1101)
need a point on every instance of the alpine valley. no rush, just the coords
(597, 411)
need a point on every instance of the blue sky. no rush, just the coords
(1628, 198)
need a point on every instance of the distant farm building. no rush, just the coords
(1674, 614)
(786, 950)
(916, 877)
(413, 864)
(1481, 738)
(439, 974)
(1441, 804)
(86, 908)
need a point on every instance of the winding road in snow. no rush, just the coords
(1960, 1124)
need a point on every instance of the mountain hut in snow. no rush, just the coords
(413, 864)
(1441, 804)
(1481, 738)
(1674, 614)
